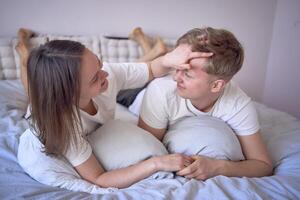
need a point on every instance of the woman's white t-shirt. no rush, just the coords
(121, 76)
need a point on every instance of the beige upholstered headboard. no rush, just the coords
(109, 50)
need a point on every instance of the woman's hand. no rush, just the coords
(179, 58)
(171, 162)
(201, 169)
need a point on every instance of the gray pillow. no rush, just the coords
(119, 144)
(203, 135)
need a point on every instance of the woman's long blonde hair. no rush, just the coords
(54, 91)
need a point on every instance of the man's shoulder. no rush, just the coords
(234, 94)
(233, 99)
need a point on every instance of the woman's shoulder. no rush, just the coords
(29, 138)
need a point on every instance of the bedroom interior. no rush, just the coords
(269, 76)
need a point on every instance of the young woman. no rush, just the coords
(71, 93)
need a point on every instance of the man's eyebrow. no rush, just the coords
(188, 71)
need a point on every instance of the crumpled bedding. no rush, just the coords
(280, 130)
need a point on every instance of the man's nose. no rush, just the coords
(178, 74)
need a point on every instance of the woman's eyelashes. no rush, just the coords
(96, 78)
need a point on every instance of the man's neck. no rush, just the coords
(205, 105)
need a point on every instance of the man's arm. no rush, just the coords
(257, 164)
(158, 133)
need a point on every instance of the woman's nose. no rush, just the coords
(103, 74)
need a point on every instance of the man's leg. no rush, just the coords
(144, 41)
(157, 50)
(23, 50)
(126, 97)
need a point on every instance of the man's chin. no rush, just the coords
(181, 93)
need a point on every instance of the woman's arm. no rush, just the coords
(257, 163)
(92, 171)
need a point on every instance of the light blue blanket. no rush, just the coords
(280, 131)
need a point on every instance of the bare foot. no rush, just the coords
(144, 41)
(25, 34)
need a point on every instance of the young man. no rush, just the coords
(205, 88)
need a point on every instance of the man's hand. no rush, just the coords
(201, 169)
(179, 58)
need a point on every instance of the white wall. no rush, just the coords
(282, 87)
(251, 21)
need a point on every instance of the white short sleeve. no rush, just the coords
(129, 75)
(154, 110)
(78, 154)
(245, 122)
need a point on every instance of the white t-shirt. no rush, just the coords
(121, 76)
(162, 106)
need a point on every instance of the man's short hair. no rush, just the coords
(228, 53)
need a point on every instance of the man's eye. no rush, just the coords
(188, 75)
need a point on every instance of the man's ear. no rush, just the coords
(218, 85)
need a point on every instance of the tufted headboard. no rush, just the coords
(109, 50)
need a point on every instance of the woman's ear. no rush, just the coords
(218, 85)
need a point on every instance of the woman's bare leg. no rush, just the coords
(23, 50)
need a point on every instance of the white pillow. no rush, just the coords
(119, 144)
(203, 135)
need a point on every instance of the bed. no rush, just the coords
(280, 130)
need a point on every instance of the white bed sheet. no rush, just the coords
(280, 130)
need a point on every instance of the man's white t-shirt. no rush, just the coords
(121, 76)
(162, 106)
